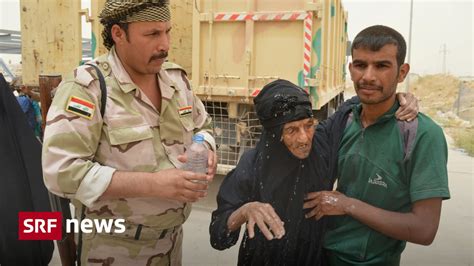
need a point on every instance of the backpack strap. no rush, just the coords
(408, 134)
(103, 89)
(350, 118)
(103, 102)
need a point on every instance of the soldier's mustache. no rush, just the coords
(159, 56)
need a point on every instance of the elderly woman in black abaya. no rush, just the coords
(267, 188)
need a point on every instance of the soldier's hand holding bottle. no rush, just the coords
(199, 159)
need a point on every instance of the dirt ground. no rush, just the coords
(438, 92)
(445, 93)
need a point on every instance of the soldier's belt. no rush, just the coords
(142, 232)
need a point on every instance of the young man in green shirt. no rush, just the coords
(392, 177)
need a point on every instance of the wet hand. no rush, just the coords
(264, 216)
(326, 203)
(408, 107)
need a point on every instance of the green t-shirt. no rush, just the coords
(372, 168)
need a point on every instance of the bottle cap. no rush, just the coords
(199, 138)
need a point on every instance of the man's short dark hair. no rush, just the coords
(376, 37)
(107, 33)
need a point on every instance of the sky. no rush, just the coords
(435, 24)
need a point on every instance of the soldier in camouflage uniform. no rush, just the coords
(125, 164)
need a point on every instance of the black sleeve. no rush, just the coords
(235, 190)
(328, 136)
(327, 128)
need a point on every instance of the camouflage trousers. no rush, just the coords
(153, 247)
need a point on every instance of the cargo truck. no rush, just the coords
(230, 50)
(239, 46)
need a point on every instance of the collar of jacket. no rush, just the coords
(126, 84)
(357, 110)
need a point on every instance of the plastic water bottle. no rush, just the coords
(197, 155)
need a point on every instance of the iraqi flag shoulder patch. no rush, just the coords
(185, 110)
(80, 107)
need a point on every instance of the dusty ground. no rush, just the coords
(436, 92)
(445, 93)
(450, 102)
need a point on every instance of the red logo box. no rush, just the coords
(40, 226)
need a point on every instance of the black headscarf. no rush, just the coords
(281, 102)
(283, 180)
(278, 103)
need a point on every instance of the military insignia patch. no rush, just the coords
(185, 110)
(80, 107)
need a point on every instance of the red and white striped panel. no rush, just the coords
(232, 16)
(261, 16)
(308, 31)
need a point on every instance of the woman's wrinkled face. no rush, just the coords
(298, 136)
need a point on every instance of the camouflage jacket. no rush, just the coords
(82, 150)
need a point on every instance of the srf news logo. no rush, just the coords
(49, 226)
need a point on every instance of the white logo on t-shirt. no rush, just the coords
(377, 181)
